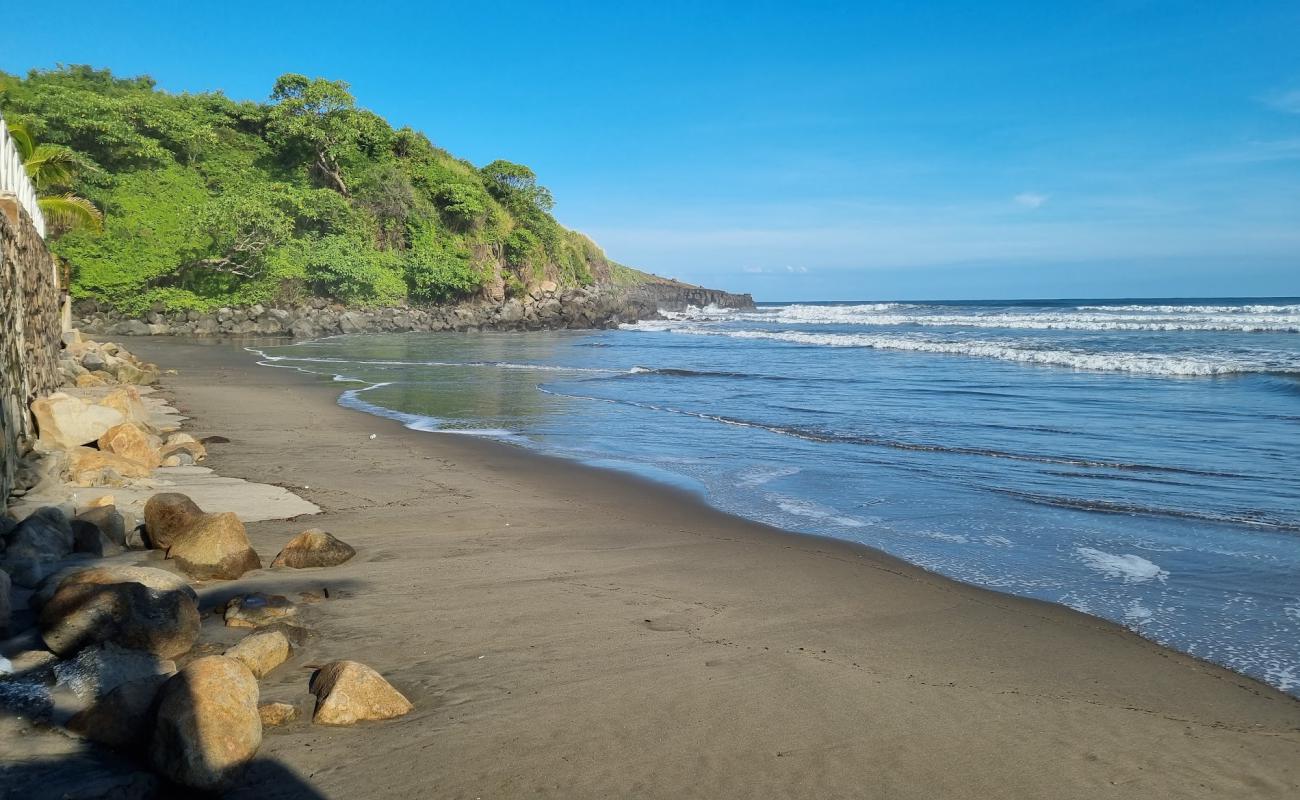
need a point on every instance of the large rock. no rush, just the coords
(35, 545)
(65, 422)
(313, 548)
(130, 441)
(102, 605)
(126, 401)
(215, 546)
(256, 609)
(166, 516)
(262, 652)
(89, 467)
(159, 580)
(90, 540)
(208, 726)
(349, 691)
(94, 672)
(121, 719)
(108, 520)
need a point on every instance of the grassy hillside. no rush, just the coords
(208, 201)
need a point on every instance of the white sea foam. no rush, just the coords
(1194, 309)
(811, 510)
(1129, 568)
(761, 475)
(1023, 352)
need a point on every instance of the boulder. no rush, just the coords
(132, 327)
(275, 714)
(313, 548)
(90, 540)
(262, 652)
(159, 580)
(104, 605)
(130, 441)
(166, 516)
(126, 401)
(349, 691)
(94, 672)
(121, 720)
(65, 421)
(90, 381)
(184, 444)
(257, 609)
(207, 726)
(88, 467)
(34, 547)
(215, 546)
(130, 373)
(107, 519)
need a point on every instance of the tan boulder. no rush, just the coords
(276, 714)
(101, 501)
(159, 580)
(349, 691)
(89, 467)
(126, 400)
(90, 380)
(256, 609)
(215, 546)
(129, 440)
(196, 450)
(313, 548)
(130, 373)
(102, 606)
(66, 422)
(208, 726)
(166, 516)
(262, 652)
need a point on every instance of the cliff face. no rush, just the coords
(674, 296)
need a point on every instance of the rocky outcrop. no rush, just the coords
(546, 307)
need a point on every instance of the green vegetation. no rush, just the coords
(209, 201)
(52, 169)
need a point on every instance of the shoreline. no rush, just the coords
(666, 648)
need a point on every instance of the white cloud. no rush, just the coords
(753, 270)
(1030, 199)
(796, 269)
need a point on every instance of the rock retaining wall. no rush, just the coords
(30, 328)
(547, 308)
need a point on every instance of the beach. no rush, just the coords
(565, 631)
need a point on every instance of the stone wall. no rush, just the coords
(30, 330)
(546, 308)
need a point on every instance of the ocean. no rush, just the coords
(1137, 460)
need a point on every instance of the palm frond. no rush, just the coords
(51, 165)
(23, 138)
(70, 212)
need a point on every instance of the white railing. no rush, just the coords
(14, 180)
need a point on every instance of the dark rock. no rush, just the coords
(98, 605)
(109, 520)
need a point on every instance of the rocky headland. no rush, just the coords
(546, 307)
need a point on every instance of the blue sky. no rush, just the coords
(881, 150)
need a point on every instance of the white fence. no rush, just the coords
(14, 181)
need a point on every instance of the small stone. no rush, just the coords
(208, 725)
(349, 691)
(256, 610)
(276, 714)
(166, 516)
(313, 548)
(215, 546)
(262, 652)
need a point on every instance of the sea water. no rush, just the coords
(1137, 460)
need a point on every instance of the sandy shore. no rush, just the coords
(572, 633)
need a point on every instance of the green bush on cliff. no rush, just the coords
(210, 201)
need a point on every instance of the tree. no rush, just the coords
(319, 116)
(515, 186)
(52, 168)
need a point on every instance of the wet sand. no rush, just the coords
(569, 632)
